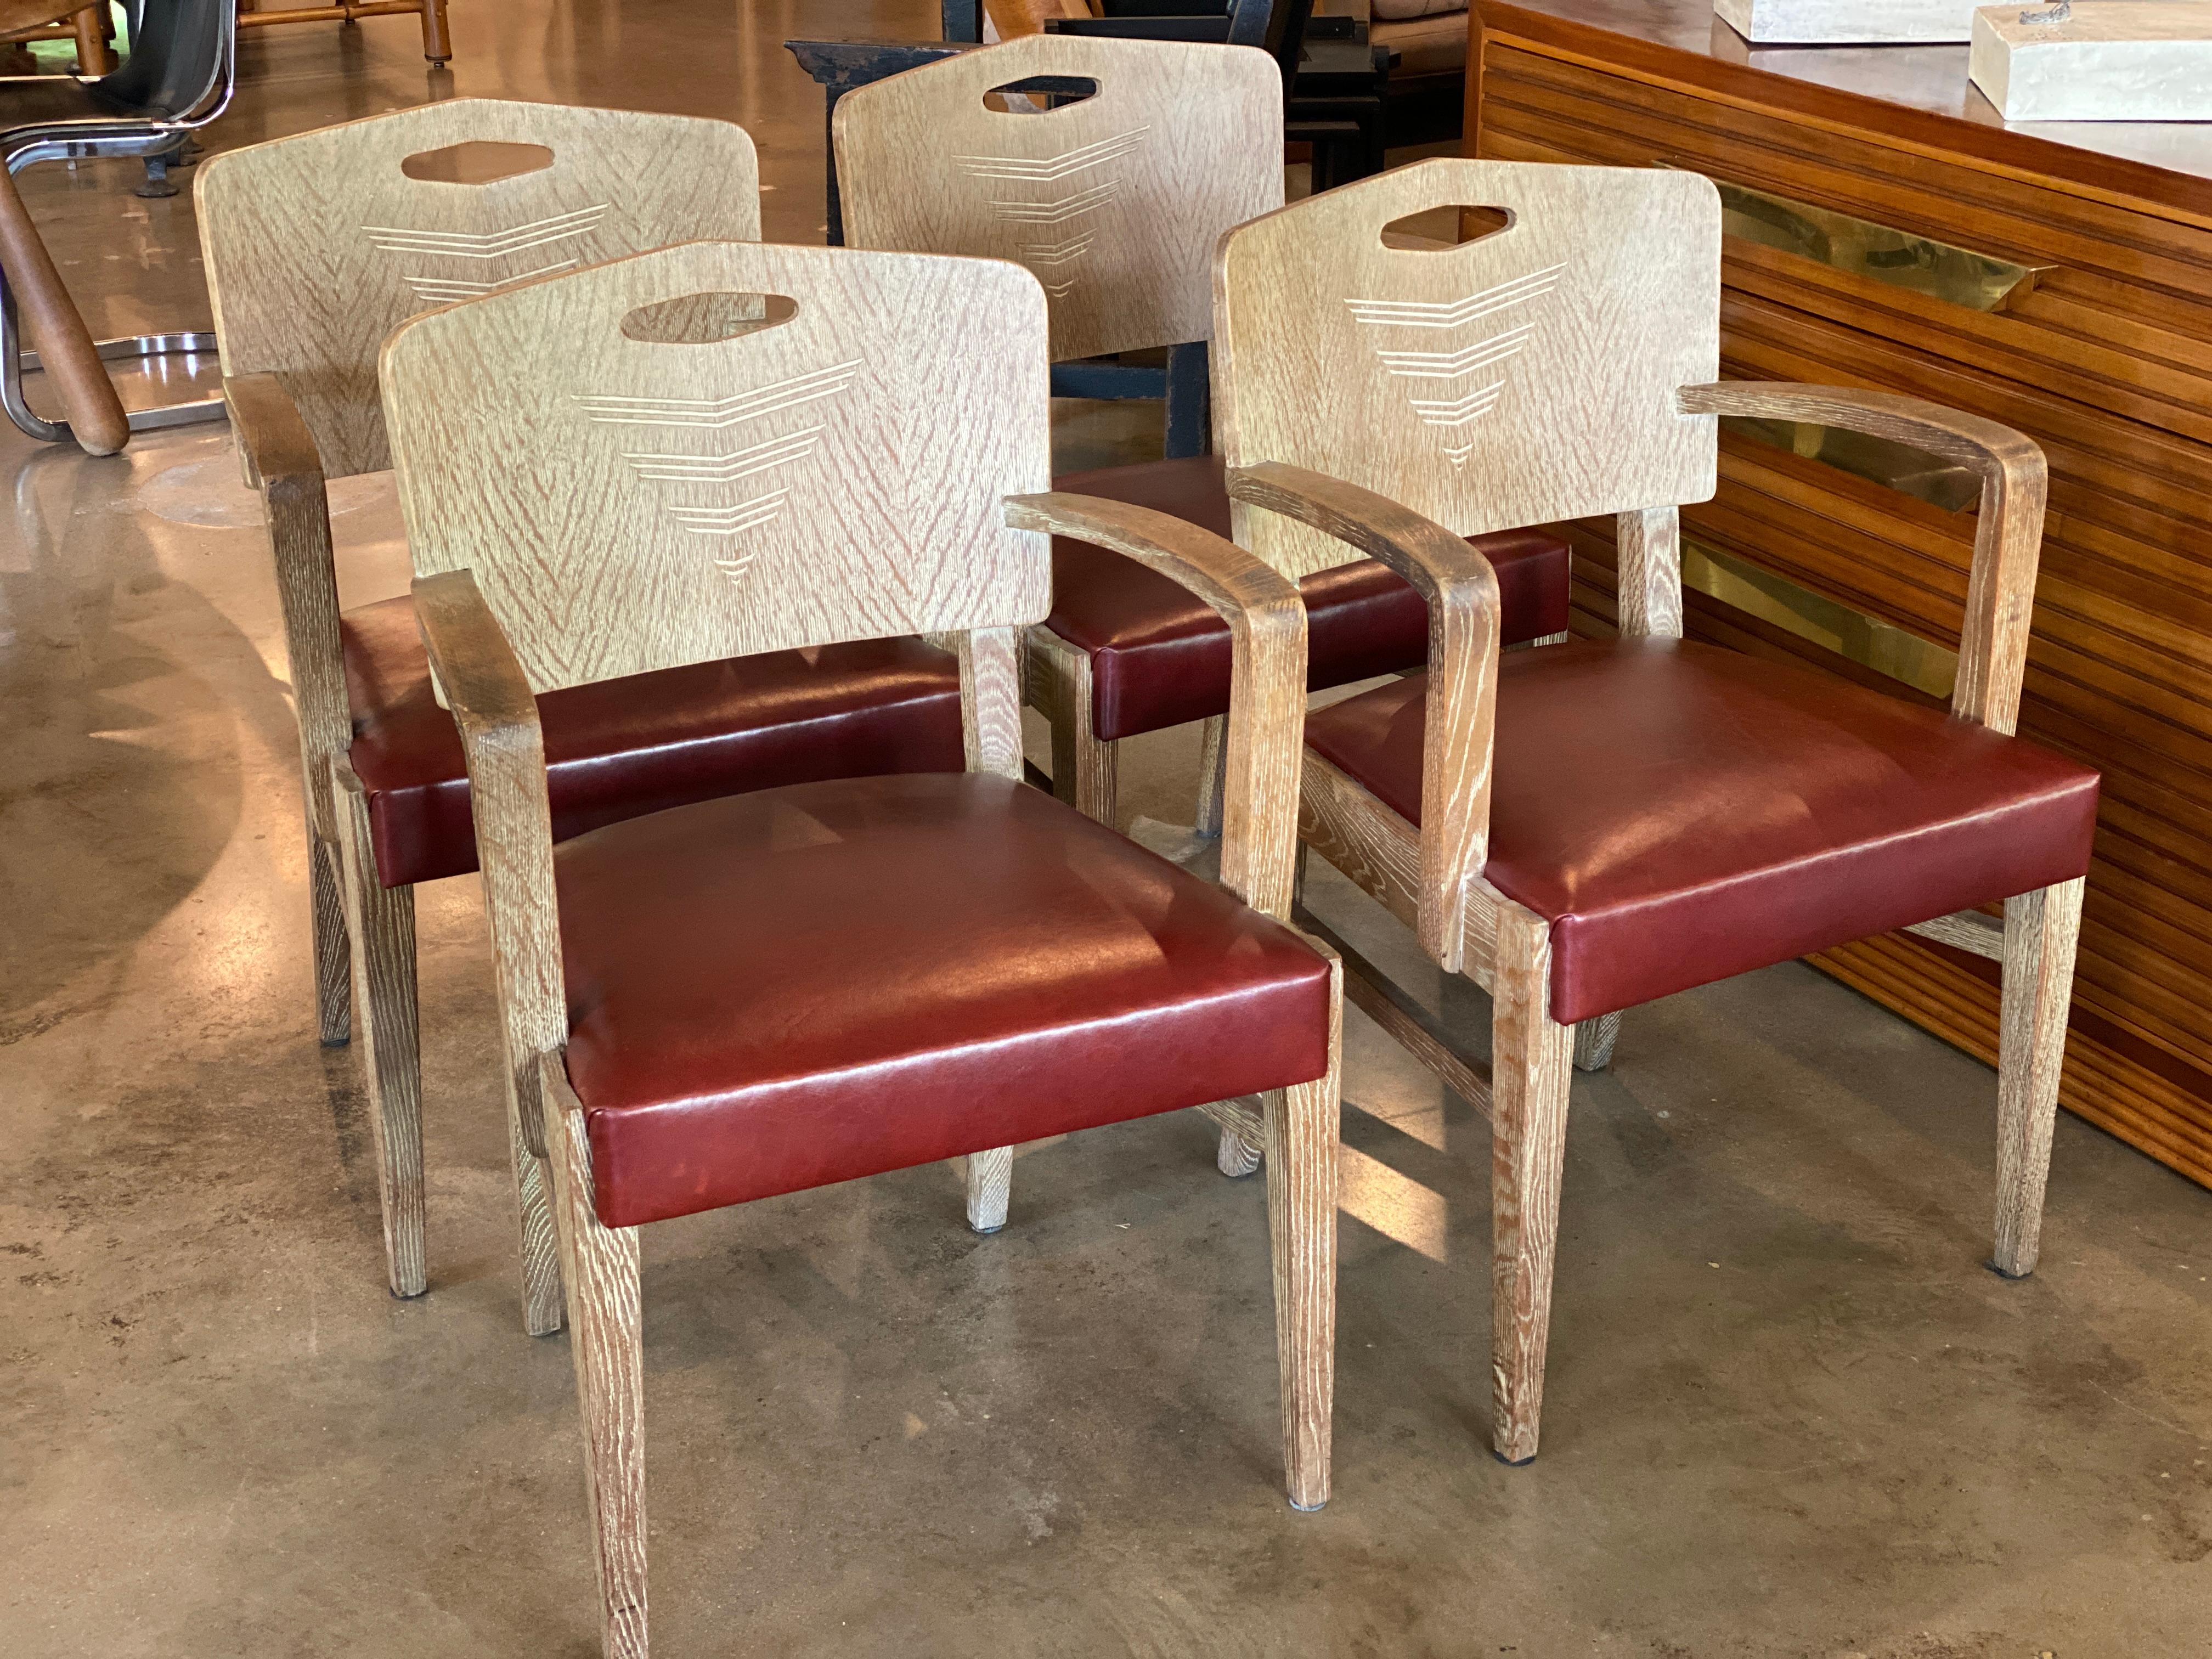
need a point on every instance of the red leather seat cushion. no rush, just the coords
(1159, 654)
(622, 748)
(1682, 813)
(775, 990)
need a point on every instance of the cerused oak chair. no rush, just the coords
(1587, 827)
(784, 989)
(316, 247)
(1117, 202)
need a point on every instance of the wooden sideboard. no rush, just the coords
(1887, 231)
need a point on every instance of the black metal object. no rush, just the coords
(180, 75)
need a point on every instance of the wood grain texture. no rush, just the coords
(1242, 1124)
(2040, 932)
(1650, 546)
(1267, 675)
(381, 921)
(600, 1266)
(318, 245)
(2008, 533)
(1414, 1029)
(628, 505)
(279, 460)
(53, 326)
(1380, 853)
(1531, 1067)
(1212, 779)
(989, 1178)
(504, 748)
(991, 702)
(1968, 930)
(1301, 1125)
(991, 736)
(333, 956)
(1521, 377)
(2105, 363)
(1085, 768)
(1593, 1042)
(1461, 592)
(1115, 202)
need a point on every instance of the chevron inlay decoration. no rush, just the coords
(727, 514)
(1057, 263)
(481, 247)
(1448, 407)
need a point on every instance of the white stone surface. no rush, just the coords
(1847, 23)
(2109, 60)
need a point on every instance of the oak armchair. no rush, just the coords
(316, 247)
(1582, 829)
(1117, 202)
(811, 983)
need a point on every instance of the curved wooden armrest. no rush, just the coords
(1268, 687)
(277, 455)
(493, 705)
(2008, 539)
(274, 444)
(1461, 590)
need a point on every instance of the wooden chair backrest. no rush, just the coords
(1521, 377)
(630, 504)
(1115, 202)
(317, 246)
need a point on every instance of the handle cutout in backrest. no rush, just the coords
(1441, 229)
(1040, 94)
(476, 161)
(707, 318)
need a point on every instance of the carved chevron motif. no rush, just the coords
(727, 469)
(1059, 212)
(1058, 263)
(1053, 169)
(725, 412)
(1451, 413)
(485, 245)
(1458, 411)
(692, 473)
(1057, 253)
(1455, 314)
(1457, 365)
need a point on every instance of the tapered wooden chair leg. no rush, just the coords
(542, 1302)
(333, 957)
(381, 923)
(1594, 1041)
(1531, 1066)
(599, 1265)
(1236, 1156)
(990, 1188)
(1212, 777)
(1302, 1160)
(2041, 929)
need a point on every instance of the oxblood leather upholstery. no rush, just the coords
(1160, 655)
(1682, 813)
(621, 748)
(775, 990)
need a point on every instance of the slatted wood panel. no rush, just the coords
(2106, 362)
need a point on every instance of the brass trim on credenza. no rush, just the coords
(1852, 634)
(1880, 253)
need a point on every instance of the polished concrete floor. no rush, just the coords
(1789, 1413)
